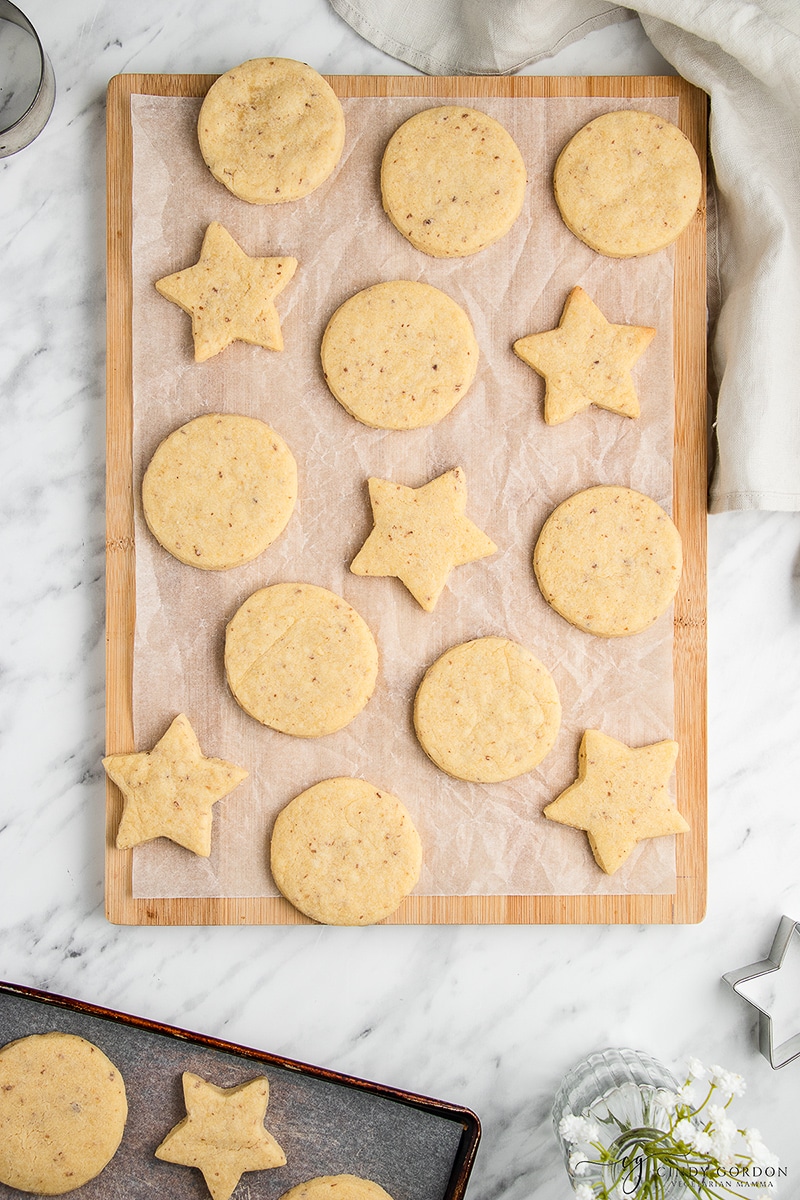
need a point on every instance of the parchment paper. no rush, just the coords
(477, 839)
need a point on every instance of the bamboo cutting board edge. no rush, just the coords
(687, 905)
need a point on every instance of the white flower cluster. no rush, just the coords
(578, 1129)
(728, 1082)
(578, 1162)
(759, 1153)
(696, 1069)
(700, 1133)
(717, 1137)
(691, 1136)
(723, 1133)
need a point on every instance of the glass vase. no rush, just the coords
(619, 1091)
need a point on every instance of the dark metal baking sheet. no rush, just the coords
(327, 1123)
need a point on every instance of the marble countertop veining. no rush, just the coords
(483, 1016)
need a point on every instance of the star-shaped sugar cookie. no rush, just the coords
(229, 295)
(620, 796)
(223, 1133)
(585, 361)
(420, 534)
(169, 791)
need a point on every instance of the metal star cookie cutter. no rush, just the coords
(24, 129)
(760, 984)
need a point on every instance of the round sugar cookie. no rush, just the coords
(628, 183)
(609, 560)
(62, 1113)
(345, 853)
(219, 490)
(399, 355)
(452, 180)
(271, 130)
(487, 710)
(299, 659)
(337, 1187)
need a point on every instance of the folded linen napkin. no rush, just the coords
(746, 55)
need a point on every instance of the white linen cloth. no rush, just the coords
(746, 55)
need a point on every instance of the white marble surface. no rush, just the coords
(486, 1017)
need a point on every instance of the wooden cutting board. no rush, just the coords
(687, 904)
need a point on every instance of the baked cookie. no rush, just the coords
(229, 295)
(620, 798)
(628, 183)
(487, 710)
(452, 180)
(420, 534)
(609, 560)
(585, 361)
(219, 490)
(345, 853)
(271, 130)
(337, 1187)
(62, 1113)
(399, 355)
(169, 791)
(223, 1133)
(299, 659)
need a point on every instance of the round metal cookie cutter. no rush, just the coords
(24, 129)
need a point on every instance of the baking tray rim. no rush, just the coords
(470, 1123)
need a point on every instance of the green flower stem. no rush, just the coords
(660, 1153)
(683, 1163)
(700, 1107)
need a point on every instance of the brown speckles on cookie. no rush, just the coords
(271, 644)
(62, 1112)
(475, 196)
(487, 711)
(609, 560)
(345, 852)
(402, 325)
(271, 130)
(628, 183)
(219, 490)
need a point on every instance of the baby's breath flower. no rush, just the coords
(697, 1142)
(759, 1153)
(723, 1126)
(727, 1081)
(668, 1100)
(696, 1069)
(578, 1129)
(722, 1135)
(690, 1135)
(702, 1141)
(578, 1163)
(684, 1132)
